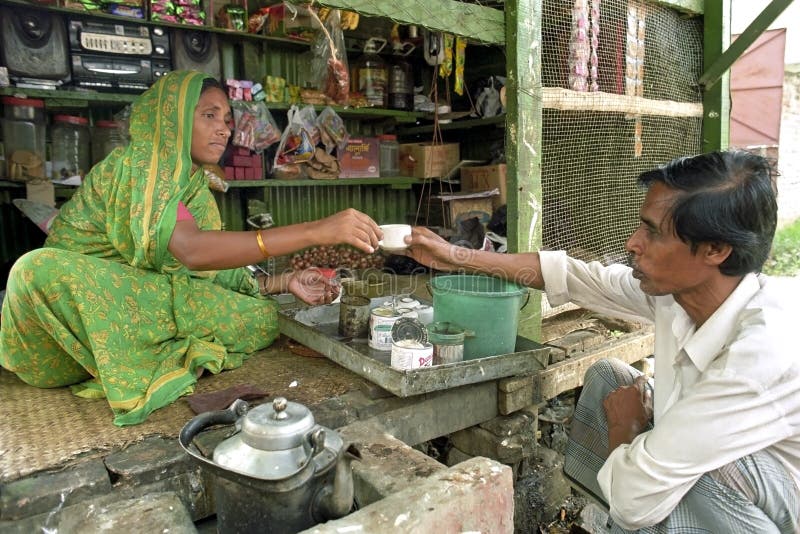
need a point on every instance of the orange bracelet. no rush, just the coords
(261, 245)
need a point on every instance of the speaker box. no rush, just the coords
(196, 50)
(33, 45)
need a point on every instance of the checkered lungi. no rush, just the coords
(754, 494)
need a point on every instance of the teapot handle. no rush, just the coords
(207, 419)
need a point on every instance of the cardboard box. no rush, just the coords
(486, 178)
(459, 209)
(360, 158)
(426, 160)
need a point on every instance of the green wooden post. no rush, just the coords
(716, 98)
(524, 139)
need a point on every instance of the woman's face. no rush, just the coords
(212, 127)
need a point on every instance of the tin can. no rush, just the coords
(408, 302)
(381, 320)
(409, 354)
(354, 316)
(407, 312)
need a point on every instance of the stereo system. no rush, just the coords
(33, 46)
(116, 55)
(196, 50)
(42, 49)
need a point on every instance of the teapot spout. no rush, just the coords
(336, 502)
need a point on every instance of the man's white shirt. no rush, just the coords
(721, 392)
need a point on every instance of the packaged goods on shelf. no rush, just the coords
(360, 158)
(244, 165)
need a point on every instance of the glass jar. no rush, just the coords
(106, 136)
(70, 148)
(24, 131)
(401, 86)
(389, 153)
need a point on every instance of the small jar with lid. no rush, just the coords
(106, 136)
(24, 130)
(389, 153)
(70, 149)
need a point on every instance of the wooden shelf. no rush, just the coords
(60, 98)
(499, 120)
(237, 35)
(394, 182)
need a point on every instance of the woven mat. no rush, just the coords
(43, 429)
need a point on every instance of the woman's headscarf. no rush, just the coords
(126, 208)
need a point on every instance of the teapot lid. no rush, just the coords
(277, 426)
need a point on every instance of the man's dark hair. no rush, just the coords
(727, 197)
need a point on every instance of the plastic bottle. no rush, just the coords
(70, 149)
(389, 154)
(371, 74)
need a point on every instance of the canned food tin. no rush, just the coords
(410, 354)
(408, 302)
(354, 316)
(381, 320)
(407, 312)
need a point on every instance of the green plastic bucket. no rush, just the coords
(487, 306)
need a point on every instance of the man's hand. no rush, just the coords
(628, 411)
(312, 287)
(431, 250)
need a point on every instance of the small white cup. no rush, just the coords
(393, 235)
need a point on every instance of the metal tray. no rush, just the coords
(317, 328)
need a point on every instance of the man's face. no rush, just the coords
(663, 263)
(212, 127)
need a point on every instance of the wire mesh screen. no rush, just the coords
(620, 97)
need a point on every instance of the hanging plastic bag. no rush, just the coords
(295, 146)
(254, 126)
(329, 69)
(332, 130)
(307, 116)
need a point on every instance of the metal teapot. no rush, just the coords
(279, 472)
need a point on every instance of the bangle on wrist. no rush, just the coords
(261, 245)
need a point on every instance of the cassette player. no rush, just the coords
(116, 72)
(117, 56)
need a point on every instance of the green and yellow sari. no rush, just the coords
(104, 306)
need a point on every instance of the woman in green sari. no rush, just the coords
(137, 290)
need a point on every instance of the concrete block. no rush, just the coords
(188, 487)
(514, 383)
(510, 402)
(456, 456)
(557, 355)
(509, 425)
(157, 512)
(473, 496)
(150, 460)
(477, 441)
(45, 492)
(387, 464)
(578, 341)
